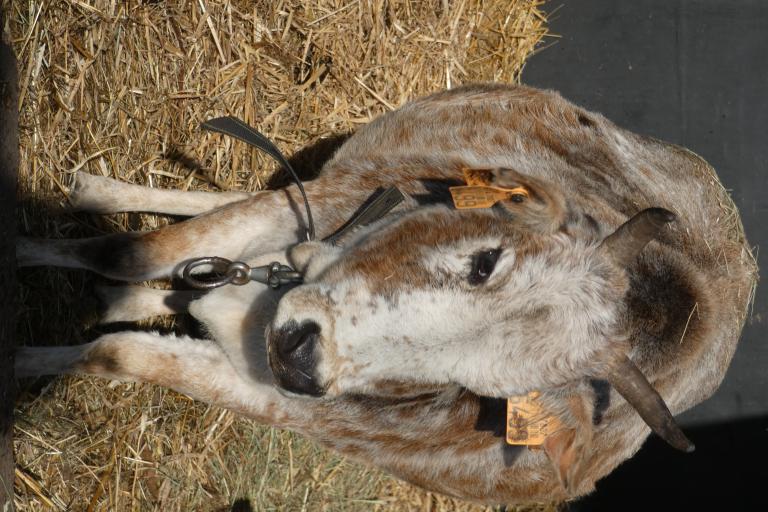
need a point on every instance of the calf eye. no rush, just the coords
(483, 264)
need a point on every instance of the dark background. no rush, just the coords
(694, 73)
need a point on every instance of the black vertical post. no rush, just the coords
(9, 158)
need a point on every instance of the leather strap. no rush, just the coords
(375, 210)
(236, 128)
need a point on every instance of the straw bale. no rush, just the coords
(119, 88)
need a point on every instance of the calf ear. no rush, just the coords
(565, 454)
(568, 449)
(543, 207)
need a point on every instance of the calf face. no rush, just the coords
(440, 296)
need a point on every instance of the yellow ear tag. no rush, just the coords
(479, 193)
(528, 424)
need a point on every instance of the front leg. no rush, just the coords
(261, 224)
(99, 194)
(133, 303)
(198, 368)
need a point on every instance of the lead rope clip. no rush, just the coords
(238, 273)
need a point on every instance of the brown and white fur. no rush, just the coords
(408, 361)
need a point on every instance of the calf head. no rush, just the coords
(501, 301)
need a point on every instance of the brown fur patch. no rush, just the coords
(102, 359)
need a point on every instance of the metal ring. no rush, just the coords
(207, 284)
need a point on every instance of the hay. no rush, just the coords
(118, 89)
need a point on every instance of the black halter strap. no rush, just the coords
(381, 205)
(236, 128)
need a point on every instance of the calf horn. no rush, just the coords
(630, 382)
(628, 240)
(623, 246)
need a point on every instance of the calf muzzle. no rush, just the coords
(291, 350)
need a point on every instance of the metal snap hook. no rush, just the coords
(238, 273)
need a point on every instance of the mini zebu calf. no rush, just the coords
(405, 339)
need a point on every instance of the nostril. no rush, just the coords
(293, 359)
(303, 336)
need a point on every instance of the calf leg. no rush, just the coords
(97, 194)
(198, 368)
(264, 223)
(132, 303)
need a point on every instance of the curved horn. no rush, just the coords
(630, 382)
(628, 240)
